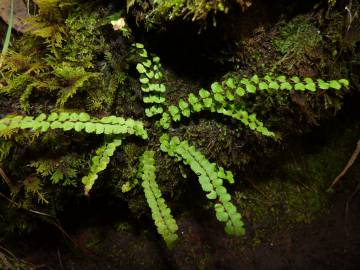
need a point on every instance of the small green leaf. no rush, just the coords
(144, 79)
(53, 116)
(186, 112)
(216, 87)
(222, 216)
(219, 97)
(197, 107)
(89, 127)
(295, 79)
(230, 83)
(208, 102)
(230, 96)
(308, 80)
(84, 117)
(240, 91)
(193, 99)
(281, 78)
(183, 104)
(212, 195)
(203, 93)
(335, 85)
(323, 85)
(147, 64)
(68, 126)
(274, 85)
(140, 68)
(40, 117)
(150, 74)
(263, 86)
(255, 79)
(311, 87)
(286, 86)
(79, 126)
(268, 78)
(250, 88)
(299, 87)
(344, 82)
(143, 53)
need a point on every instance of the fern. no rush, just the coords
(34, 187)
(75, 78)
(216, 101)
(211, 178)
(63, 170)
(5, 147)
(150, 74)
(99, 162)
(110, 125)
(48, 24)
(223, 98)
(161, 214)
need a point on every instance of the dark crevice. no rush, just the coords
(193, 51)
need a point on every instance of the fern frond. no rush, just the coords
(48, 6)
(74, 78)
(223, 98)
(24, 98)
(34, 186)
(110, 125)
(211, 178)
(53, 34)
(213, 103)
(150, 75)
(17, 62)
(99, 162)
(5, 147)
(62, 170)
(16, 84)
(161, 214)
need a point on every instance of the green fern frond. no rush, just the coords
(161, 214)
(16, 62)
(34, 186)
(211, 178)
(52, 33)
(99, 162)
(213, 102)
(75, 78)
(61, 170)
(16, 84)
(222, 98)
(110, 125)
(48, 6)
(5, 147)
(150, 78)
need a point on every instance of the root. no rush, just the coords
(348, 165)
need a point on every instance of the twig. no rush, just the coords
(348, 165)
(60, 260)
(347, 207)
(6, 179)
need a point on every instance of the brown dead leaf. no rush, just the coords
(20, 13)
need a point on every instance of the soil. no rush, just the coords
(331, 242)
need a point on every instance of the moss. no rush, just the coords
(158, 11)
(297, 193)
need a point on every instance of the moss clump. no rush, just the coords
(297, 191)
(40, 69)
(159, 11)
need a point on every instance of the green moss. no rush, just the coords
(155, 12)
(297, 36)
(297, 192)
